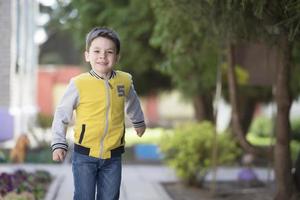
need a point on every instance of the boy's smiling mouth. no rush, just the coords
(102, 63)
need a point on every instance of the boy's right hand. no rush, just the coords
(140, 131)
(59, 155)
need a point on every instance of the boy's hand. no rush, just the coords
(59, 155)
(140, 131)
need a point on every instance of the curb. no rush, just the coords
(54, 188)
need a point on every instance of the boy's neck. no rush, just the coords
(105, 76)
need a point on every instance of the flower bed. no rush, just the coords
(22, 185)
(41, 154)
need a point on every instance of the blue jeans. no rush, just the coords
(91, 174)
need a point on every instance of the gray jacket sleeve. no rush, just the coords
(133, 109)
(63, 116)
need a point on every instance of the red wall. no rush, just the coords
(47, 79)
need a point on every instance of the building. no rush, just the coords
(18, 67)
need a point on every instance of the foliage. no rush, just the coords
(266, 141)
(41, 154)
(295, 129)
(152, 136)
(133, 20)
(295, 149)
(189, 150)
(248, 19)
(190, 47)
(262, 127)
(22, 181)
(252, 20)
(3, 157)
(261, 132)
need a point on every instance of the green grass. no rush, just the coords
(260, 141)
(40, 155)
(151, 136)
(266, 141)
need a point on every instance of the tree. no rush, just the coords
(183, 34)
(191, 55)
(276, 22)
(134, 22)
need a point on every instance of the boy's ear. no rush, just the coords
(86, 55)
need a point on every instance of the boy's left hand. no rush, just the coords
(140, 131)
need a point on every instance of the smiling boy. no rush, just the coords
(99, 98)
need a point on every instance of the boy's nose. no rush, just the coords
(102, 54)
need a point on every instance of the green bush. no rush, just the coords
(189, 150)
(295, 149)
(261, 127)
(41, 154)
(295, 127)
(3, 157)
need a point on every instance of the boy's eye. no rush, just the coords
(110, 52)
(96, 51)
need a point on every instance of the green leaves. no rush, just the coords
(134, 22)
(191, 52)
(189, 150)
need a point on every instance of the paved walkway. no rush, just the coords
(139, 182)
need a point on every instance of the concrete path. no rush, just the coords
(142, 182)
(139, 182)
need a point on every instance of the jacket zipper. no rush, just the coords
(107, 87)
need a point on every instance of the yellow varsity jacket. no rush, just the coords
(99, 105)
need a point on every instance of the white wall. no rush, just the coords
(23, 64)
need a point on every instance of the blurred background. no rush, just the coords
(218, 81)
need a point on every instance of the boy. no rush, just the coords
(99, 98)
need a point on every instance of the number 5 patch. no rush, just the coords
(121, 90)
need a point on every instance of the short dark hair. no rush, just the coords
(102, 32)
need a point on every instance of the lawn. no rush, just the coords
(265, 141)
(151, 136)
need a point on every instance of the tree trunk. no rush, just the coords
(247, 109)
(236, 119)
(203, 107)
(282, 153)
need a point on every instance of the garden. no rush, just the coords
(23, 185)
(17, 181)
(188, 150)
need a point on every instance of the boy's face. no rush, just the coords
(102, 55)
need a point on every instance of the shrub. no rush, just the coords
(295, 128)
(261, 127)
(3, 157)
(189, 150)
(295, 149)
(41, 154)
